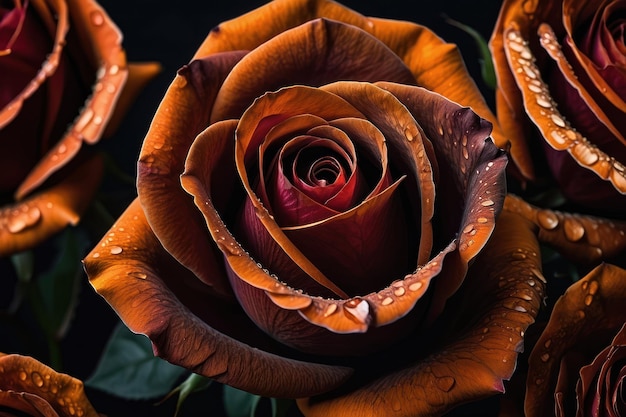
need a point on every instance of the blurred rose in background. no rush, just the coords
(561, 96)
(64, 82)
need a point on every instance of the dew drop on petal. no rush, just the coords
(37, 379)
(138, 274)
(97, 18)
(547, 219)
(116, 250)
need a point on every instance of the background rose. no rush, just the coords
(61, 65)
(28, 387)
(577, 364)
(562, 63)
(131, 269)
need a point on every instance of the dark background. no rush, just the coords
(170, 32)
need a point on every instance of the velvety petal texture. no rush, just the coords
(577, 365)
(561, 93)
(28, 387)
(64, 66)
(318, 197)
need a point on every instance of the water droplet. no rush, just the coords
(588, 299)
(97, 18)
(399, 292)
(465, 153)
(574, 230)
(545, 357)
(445, 383)
(585, 153)
(416, 286)
(359, 309)
(468, 228)
(84, 120)
(138, 274)
(116, 250)
(547, 343)
(593, 287)
(521, 309)
(518, 256)
(114, 69)
(558, 137)
(487, 203)
(409, 134)
(543, 102)
(547, 219)
(23, 375)
(330, 310)
(397, 405)
(581, 314)
(62, 148)
(387, 301)
(37, 379)
(482, 220)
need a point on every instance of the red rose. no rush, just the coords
(62, 74)
(28, 387)
(312, 223)
(562, 66)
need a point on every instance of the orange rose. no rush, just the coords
(338, 247)
(577, 366)
(28, 387)
(562, 66)
(62, 73)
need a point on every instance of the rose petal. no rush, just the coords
(573, 19)
(254, 124)
(591, 305)
(26, 403)
(102, 38)
(180, 117)
(25, 224)
(585, 239)
(408, 148)
(474, 357)
(131, 270)
(24, 374)
(407, 40)
(321, 51)
(461, 140)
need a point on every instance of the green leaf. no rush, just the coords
(193, 383)
(486, 64)
(129, 369)
(239, 403)
(24, 264)
(58, 288)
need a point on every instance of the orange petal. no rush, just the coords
(406, 137)
(584, 239)
(553, 126)
(181, 116)
(25, 224)
(139, 74)
(476, 353)
(29, 404)
(593, 304)
(156, 296)
(321, 51)
(101, 44)
(435, 64)
(62, 392)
